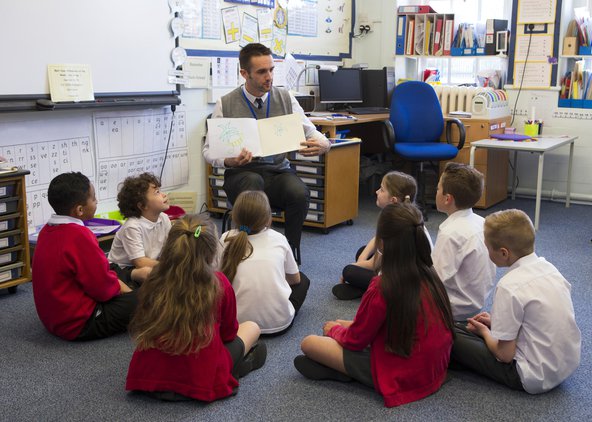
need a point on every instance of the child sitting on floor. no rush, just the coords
(76, 295)
(399, 341)
(460, 256)
(259, 263)
(139, 241)
(530, 341)
(396, 187)
(189, 344)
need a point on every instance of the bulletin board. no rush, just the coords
(316, 29)
(540, 70)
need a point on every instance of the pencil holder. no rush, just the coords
(531, 129)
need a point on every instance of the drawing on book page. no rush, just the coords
(231, 136)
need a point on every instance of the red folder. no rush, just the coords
(438, 35)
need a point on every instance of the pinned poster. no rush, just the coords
(231, 23)
(249, 31)
(197, 72)
(278, 43)
(70, 82)
(265, 23)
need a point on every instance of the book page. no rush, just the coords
(228, 136)
(280, 134)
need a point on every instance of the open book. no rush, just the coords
(264, 137)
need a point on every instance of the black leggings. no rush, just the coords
(297, 297)
(357, 276)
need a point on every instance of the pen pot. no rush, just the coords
(531, 129)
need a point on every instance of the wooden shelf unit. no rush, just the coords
(333, 185)
(15, 261)
(492, 163)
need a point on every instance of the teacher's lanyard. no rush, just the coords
(251, 107)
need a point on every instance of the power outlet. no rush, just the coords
(363, 18)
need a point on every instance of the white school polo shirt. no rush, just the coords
(139, 237)
(532, 304)
(462, 263)
(260, 284)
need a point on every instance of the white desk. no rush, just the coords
(541, 146)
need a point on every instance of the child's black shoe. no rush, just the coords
(316, 371)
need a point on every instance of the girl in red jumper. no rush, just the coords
(400, 339)
(189, 344)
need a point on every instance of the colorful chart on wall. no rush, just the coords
(307, 29)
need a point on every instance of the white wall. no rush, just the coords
(377, 49)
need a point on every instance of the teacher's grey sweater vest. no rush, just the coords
(235, 105)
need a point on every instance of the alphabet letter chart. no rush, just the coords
(106, 147)
(46, 149)
(133, 142)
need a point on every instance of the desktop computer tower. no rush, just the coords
(375, 87)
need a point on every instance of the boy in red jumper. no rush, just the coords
(76, 295)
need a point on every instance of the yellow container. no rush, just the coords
(531, 129)
(112, 215)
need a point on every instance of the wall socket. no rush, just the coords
(363, 18)
(519, 111)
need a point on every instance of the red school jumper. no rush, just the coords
(204, 375)
(398, 379)
(70, 276)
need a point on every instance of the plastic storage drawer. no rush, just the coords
(7, 189)
(9, 222)
(10, 272)
(10, 238)
(8, 204)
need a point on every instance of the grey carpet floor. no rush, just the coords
(45, 378)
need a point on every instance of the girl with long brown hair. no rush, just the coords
(395, 187)
(400, 339)
(189, 344)
(259, 263)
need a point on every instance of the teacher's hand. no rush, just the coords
(243, 158)
(314, 147)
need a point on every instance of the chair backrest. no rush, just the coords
(416, 114)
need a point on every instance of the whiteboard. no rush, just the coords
(127, 43)
(334, 27)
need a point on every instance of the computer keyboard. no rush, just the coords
(368, 110)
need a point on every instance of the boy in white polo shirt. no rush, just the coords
(139, 241)
(459, 255)
(530, 341)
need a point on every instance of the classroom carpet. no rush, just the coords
(43, 378)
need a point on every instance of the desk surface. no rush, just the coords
(357, 119)
(540, 145)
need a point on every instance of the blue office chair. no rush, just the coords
(417, 125)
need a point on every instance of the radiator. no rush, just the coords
(480, 102)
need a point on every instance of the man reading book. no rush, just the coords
(259, 99)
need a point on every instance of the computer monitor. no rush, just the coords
(375, 88)
(341, 87)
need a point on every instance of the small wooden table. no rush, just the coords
(540, 146)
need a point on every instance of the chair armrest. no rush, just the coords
(461, 129)
(388, 134)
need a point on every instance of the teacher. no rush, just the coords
(259, 99)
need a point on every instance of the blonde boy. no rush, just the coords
(459, 255)
(531, 340)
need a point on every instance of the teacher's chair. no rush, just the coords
(418, 124)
